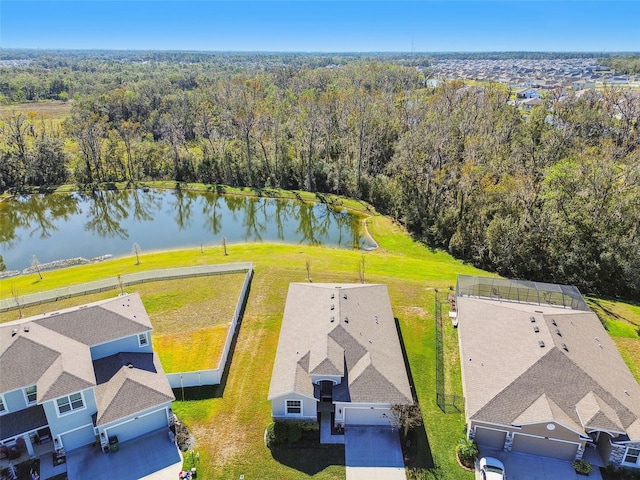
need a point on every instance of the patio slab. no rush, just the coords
(152, 456)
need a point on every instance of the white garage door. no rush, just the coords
(544, 447)
(139, 426)
(78, 438)
(490, 438)
(367, 416)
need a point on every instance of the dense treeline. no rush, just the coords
(628, 64)
(553, 195)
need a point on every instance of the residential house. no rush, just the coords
(582, 85)
(528, 104)
(527, 93)
(339, 353)
(81, 375)
(541, 375)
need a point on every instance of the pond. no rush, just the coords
(60, 226)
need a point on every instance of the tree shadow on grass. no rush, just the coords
(309, 459)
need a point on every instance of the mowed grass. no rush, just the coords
(229, 426)
(190, 316)
(191, 350)
(622, 321)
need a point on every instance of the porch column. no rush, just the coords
(29, 445)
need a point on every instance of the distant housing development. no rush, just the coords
(80, 376)
(338, 354)
(541, 375)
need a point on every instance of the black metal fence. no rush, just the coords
(448, 403)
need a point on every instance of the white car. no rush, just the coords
(492, 469)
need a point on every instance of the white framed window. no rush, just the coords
(632, 456)
(143, 340)
(31, 394)
(70, 403)
(3, 407)
(294, 407)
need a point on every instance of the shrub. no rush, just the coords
(582, 466)
(294, 433)
(308, 425)
(467, 452)
(280, 432)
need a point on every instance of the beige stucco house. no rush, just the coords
(541, 375)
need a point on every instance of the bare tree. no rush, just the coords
(406, 417)
(361, 269)
(135, 249)
(16, 298)
(35, 263)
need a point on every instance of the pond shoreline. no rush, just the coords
(63, 263)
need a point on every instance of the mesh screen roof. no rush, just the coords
(521, 291)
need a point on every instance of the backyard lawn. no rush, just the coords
(229, 422)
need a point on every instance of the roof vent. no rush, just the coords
(333, 319)
(129, 365)
(538, 311)
(344, 296)
(541, 343)
(553, 322)
(333, 295)
(26, 328)
(333, 307)
(533, 319)
(536, 329)
(564, 347)
(376, 317)
(346, 319)
(558, 332)
(14, 332)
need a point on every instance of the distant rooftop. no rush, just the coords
(521, 291)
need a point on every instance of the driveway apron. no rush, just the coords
(373, 453)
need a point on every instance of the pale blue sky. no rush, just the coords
(323, 26)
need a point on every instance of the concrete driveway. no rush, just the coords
(373, 453)
(520, 466)
(152, 456)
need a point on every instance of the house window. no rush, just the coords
(294, 407)
(3, 409)
(31, 393)
(143, 341)
(69, 403)
(632, 455)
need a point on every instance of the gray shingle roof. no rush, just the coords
(340, 329)
(53, 352)
(130, 390)
(577, 378)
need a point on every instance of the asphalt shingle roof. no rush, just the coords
(53, 352)
(577, 378)
(340, 329)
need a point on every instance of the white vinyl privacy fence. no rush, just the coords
(212, 376)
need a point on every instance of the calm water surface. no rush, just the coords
(87, 225)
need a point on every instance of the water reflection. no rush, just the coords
(90, 224)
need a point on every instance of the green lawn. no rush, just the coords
(229, 425)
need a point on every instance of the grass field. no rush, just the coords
(229, 424)
(53, 110)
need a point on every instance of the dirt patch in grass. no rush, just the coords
(198, 349)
